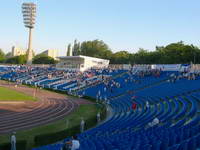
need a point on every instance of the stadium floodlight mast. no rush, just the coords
(29, 15)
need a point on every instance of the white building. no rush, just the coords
(81, 63)
(51, 53)
(16, 51)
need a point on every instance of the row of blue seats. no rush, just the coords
(175, 105)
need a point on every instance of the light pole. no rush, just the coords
(29, 14)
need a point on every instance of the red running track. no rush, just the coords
(15, 116)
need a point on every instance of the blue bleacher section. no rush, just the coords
(176, 103)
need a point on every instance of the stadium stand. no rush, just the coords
(173, 98)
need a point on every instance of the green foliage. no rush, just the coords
(17, 60)
(43, 59)
(68, 50)
(96, 48)
(76, 48)
(8, 55)
(177, 53)
(49, 138)
(12, 95)
(121, 57)
(21, 145)
(2, 56)
(174, 53)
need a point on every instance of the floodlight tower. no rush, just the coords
(29, 14)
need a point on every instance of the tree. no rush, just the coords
(2, 56)
(68, 49)
(174, 53)
(140, 57)
(96, 48)
(43, 59)
(8, 55)
(177, 53)
(121, 57)
(17, 60)
(76, 48)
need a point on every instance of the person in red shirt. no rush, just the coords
(134, 106)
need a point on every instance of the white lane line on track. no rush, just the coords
(45, 121)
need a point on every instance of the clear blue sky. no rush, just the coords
(122, 24)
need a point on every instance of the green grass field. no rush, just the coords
(85, 111)
(12, 95)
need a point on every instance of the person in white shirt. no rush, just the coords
(154, 122)
(75, 144)
(104, 89)
(70, 91)
(82, 125)
(147, 104)
(99, 92)
(13, 141)
(100, 98)
(105, 98)
(98, 117)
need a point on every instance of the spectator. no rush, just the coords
(99, 92)
(154, 122)
(13, 141)
(98, 117)
(147, 104)
(74, 144)
(105, 98)
(82, 125)
(134, 106)
(104, 89)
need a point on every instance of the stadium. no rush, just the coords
(85, 95)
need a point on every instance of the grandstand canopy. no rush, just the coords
(81, 63)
